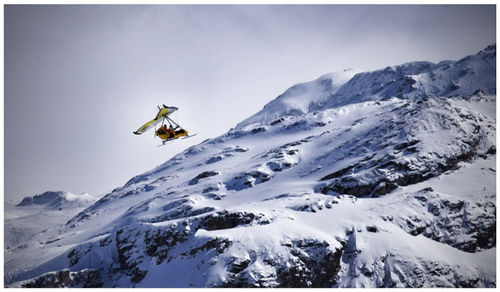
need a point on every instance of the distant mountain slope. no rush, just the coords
(334, 184)
(58, 200)
(40, 215)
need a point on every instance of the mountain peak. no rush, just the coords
(491, 49)
(41, 199)
(57, 199)
(298, 99)
(409, 80)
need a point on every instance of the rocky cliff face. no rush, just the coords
(388, 188)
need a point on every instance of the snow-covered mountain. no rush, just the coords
(58, 200)
(40, 215)
(373, 179)
(410, 80)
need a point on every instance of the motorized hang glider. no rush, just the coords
(166, 132)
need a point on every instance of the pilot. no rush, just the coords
(169, 130)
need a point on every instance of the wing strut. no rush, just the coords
(171, 121)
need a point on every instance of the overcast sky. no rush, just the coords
(80, 79)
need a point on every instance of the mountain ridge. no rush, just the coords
(410, 79)
(56, 199)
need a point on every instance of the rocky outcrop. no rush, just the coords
(466, 225)
(313, 265)
(401, 163)
(309, 263)
(66, 279)
(202, 175)
(258, 175)
(226, 220)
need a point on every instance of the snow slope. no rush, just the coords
(298, 98)
(332, 184)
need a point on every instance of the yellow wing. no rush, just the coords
(162, 113)
(146, 126)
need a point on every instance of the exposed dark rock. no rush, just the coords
(106, 241)
(315, 205)
(238, 149)
(160, 241)
(65, 279)
(454, 86)
(248, 179)
(227, 152)
(214, 159)
(279, 165)
(425, 190)
(475, 223)
(182, 208)
(137, 179)
(407, 145)
(258, 130)
(203, 175)
(383, 188)
(75, 254)
(226, 220)
(129, 264)
(491, 151)
(238, 265)
(219, 244)
(338, 173)
(282, 196)
(313, 265)
(148, 188)
(130, 193)
(47, 197)
(210, 189)
(215, 195)
(275, 122)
